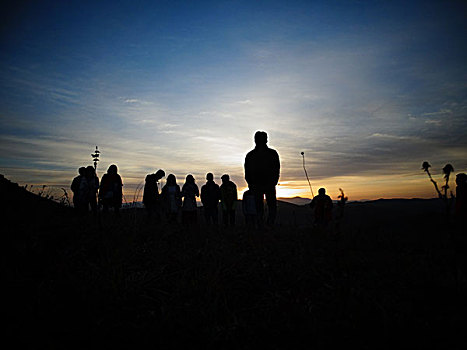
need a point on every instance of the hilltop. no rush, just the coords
(391, 277)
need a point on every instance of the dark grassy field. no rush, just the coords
(394, 276)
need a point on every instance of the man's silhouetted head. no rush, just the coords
(90, 171)
(160, 174)
(225, 178)
(209, 177)
(261, 138)
(322, 191)
(82, 170)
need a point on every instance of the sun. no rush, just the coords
(283, 191)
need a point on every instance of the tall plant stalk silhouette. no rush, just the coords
(426, 167)
(95, 157)
(447, 170)
(306, 174)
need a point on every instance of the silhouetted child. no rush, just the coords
(171, 198)
(110, 192)
(210, 196)
(78, 201)
(322, 205)
(249, 209)
(189, 208)
(228, 200)
(151, 196)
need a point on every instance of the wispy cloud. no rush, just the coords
(363, 99)
(245, 102)
(131, 100)
(394, 137)
(434, 121)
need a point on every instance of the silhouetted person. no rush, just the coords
(249, 208)
(78, 201)
(262, 170)
(322, 205)
(151, 195)
(92, 186)
(228, 200)
(210, 196)
(171, 198)
(189, 208)
(110, 192)
(461, 201)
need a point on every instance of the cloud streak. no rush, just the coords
(363, 98)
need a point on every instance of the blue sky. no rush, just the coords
(368, 90)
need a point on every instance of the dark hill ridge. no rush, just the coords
(14, 197)
(23, 206)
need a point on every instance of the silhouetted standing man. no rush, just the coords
(210, 196)
(78, 200)
(228, 200)
(262, 170)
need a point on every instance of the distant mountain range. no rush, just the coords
(296, 200)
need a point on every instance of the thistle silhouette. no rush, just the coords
(447, 170)
(340, 210)
(342, 197)
(426, 167)
(341, 203)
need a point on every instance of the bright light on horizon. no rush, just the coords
(367, 90)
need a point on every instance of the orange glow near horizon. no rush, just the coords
(355, 187)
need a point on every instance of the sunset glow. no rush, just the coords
(367, 90)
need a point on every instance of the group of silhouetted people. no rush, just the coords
(172, 200)
(262, 171)
(87, 190)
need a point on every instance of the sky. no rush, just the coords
(367, 89)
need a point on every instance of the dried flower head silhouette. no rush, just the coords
(447, 170)
(341, 204)
(426, 167)
(342, 197)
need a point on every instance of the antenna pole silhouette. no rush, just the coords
(95, 157)
(306, 174)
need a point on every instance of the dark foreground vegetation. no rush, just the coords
(128, 282)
